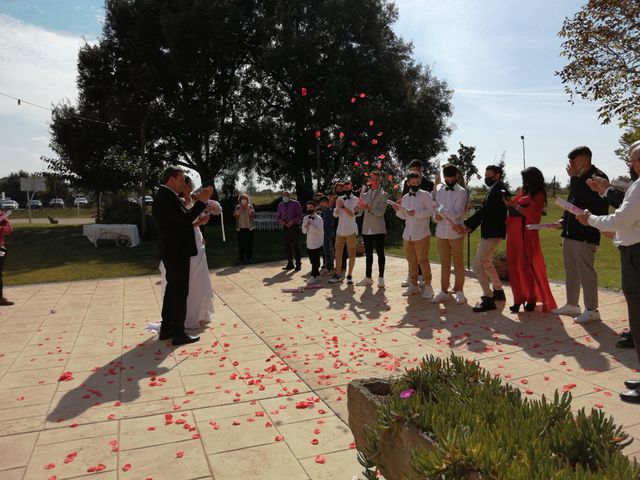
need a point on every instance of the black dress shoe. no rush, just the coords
(486, 304)
(626, 335)
(499, 295)
(165, 336)
(530, 307)
(288, 266)
(184, 340)
(631, 396)
(297, 268)
(625, 342)
(515, 308)
(5, 303)
(632, 384)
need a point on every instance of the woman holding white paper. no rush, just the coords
(527, 269)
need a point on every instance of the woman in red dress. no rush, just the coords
(527, 270)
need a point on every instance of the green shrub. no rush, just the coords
(485, 428)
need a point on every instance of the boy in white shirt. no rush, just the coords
(313, 227)
(415, 208)
(346, 211)
(452, 202)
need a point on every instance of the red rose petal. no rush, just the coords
(126, 467)
(279, 438)
(320, 459)
(179, 454)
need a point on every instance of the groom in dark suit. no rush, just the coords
(491, 217)
(177, 245)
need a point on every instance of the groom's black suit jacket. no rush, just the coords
(175, 224)
(492, 216)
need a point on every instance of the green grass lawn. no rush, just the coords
(53, 212)
(56, 253)
(51, 253)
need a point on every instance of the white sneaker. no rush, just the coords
(420, 281)
(411, 290)
(406, 283)
(336, 279)
(568, 310)
(364, 282)
(427, 292)
(380, 282)
(460, 298)
(588, 316)
(440, 297)
(311, 280)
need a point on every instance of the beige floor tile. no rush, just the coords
(334, 436)
(180, 461)
(283, 410)
(342, 464)
(16, 450)
(153, 430)
(67, 434)
(15, 474)
(266, 461)
(90, 452)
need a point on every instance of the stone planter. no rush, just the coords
(396, 443)
(501, 264)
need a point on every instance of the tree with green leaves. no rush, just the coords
(464, 159)
(602, 46)
(629, 136)
(296, 92)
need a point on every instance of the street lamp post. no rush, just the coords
(524, 163)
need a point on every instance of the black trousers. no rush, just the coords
(292, 243)
(1, 269)
(314, 258)
(345, 255)
(370, 242)
(174, 304)
(245, 244)
(630, 269)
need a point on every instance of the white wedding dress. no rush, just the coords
(200, 299)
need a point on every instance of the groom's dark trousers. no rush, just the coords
(177, 245)
(174, 305)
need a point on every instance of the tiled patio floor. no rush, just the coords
(228, 406)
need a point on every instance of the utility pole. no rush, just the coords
(524, 163)
(143, 165)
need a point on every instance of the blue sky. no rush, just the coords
(498, 55)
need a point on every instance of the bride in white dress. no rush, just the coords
(200, 299)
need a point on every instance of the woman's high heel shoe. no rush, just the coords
(515, 308)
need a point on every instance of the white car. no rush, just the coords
(8, 204)
(80, 202)
(56, 203)
(35, 204)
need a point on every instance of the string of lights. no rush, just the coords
(79, 117)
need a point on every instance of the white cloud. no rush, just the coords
(39, 66)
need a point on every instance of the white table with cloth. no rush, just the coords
(122, 234)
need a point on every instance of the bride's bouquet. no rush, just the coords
(213, 208)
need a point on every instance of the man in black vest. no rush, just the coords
(491, 218)
(177, 245)
(580, 242)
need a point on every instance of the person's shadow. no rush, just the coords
(282, 277)
(117, 381)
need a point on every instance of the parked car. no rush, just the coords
(8, 204)
(56, 203)
(133, 200)
(81, 202)
(148, 200)
(35, 204)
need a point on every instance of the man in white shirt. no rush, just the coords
(452, 202)
(313, 227)
(346, 211)
(415, 208)
(625, 222)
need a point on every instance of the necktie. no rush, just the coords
(285, 214)
(448, 188)
(411, 194)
